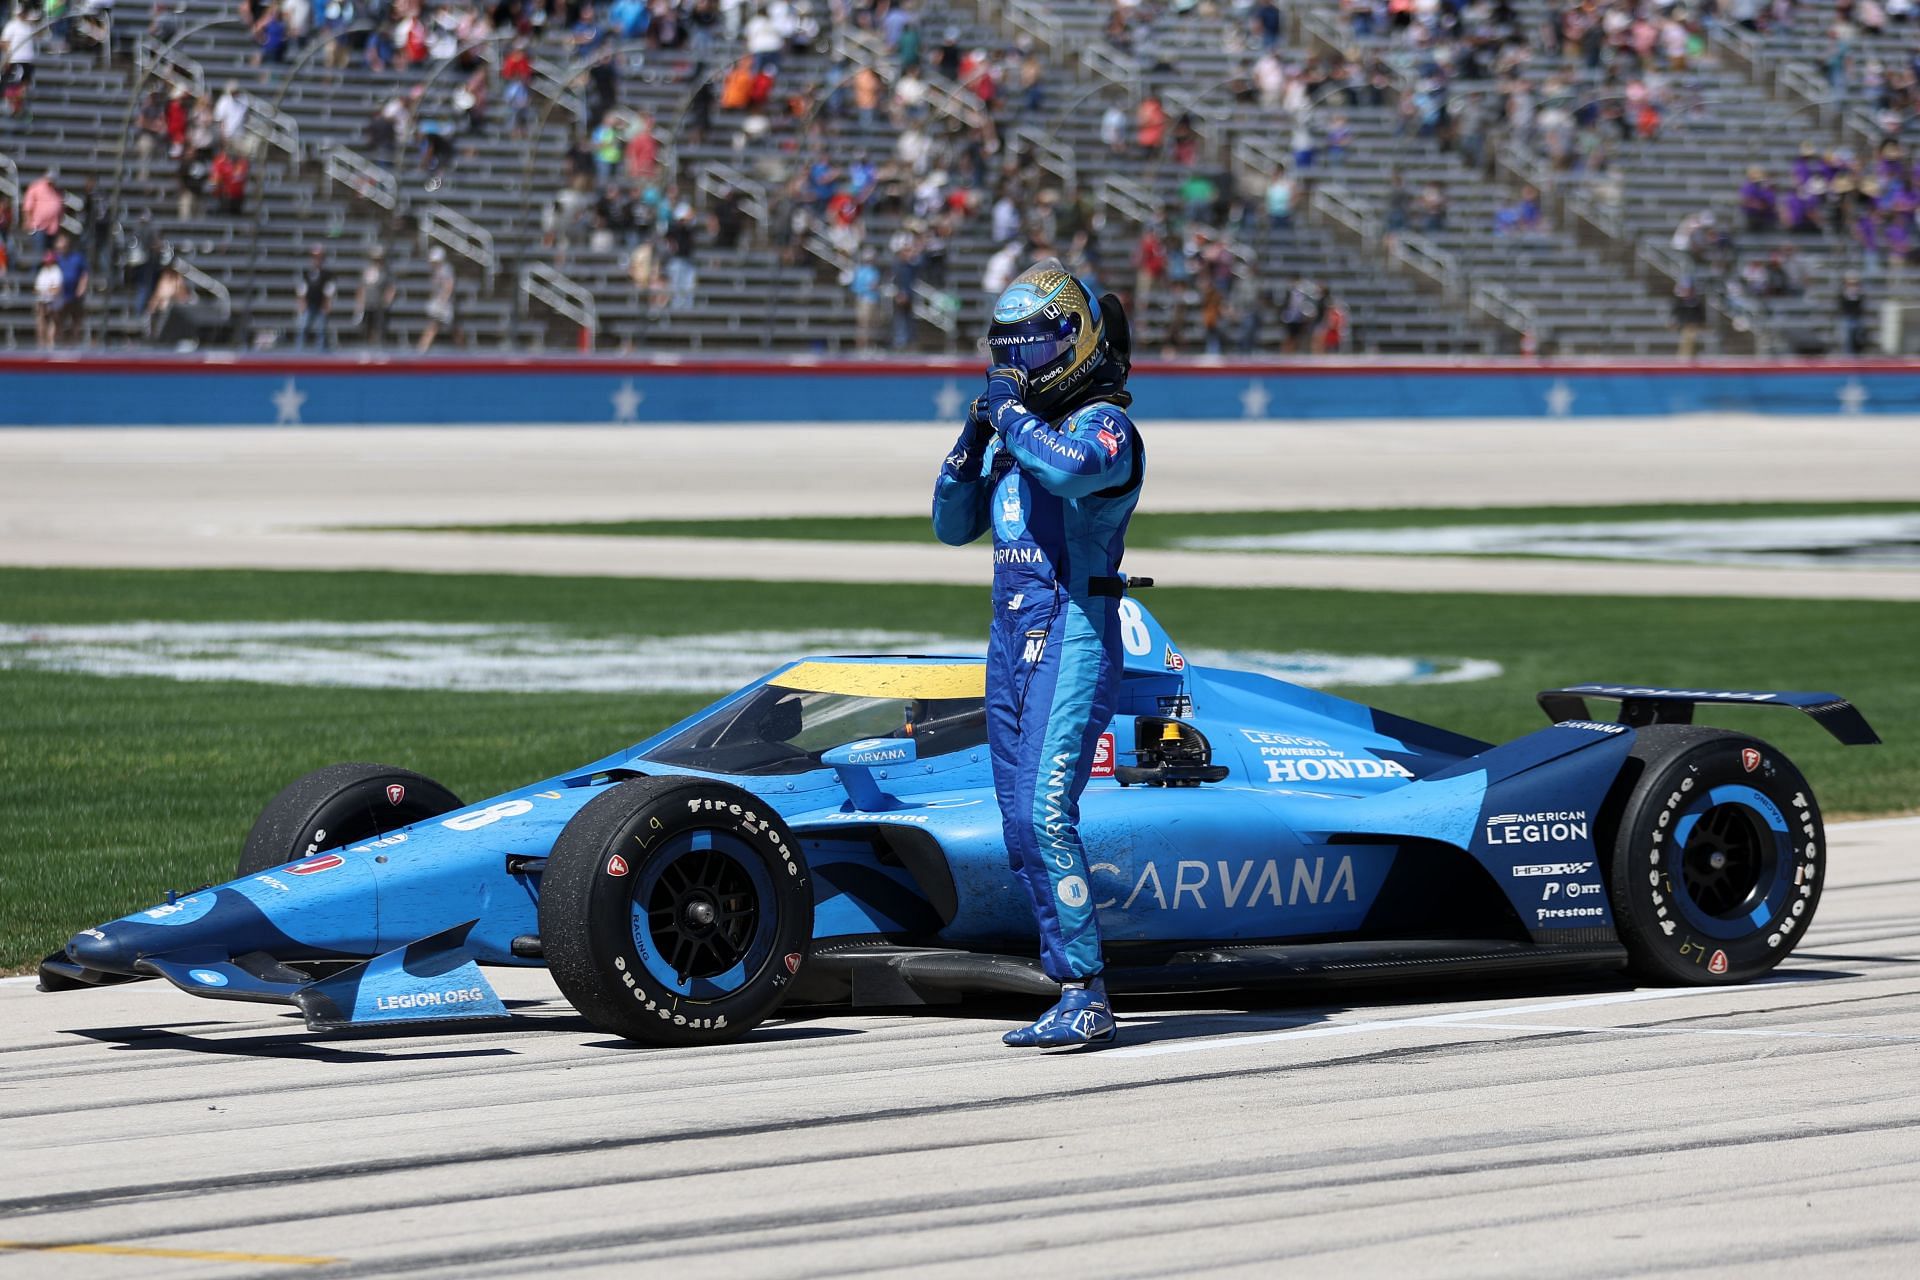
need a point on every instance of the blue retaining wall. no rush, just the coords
(247, 391)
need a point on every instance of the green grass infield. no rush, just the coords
(1170, 528)
(114, 789)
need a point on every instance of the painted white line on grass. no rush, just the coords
(1315, 1032)
(1770, 1033)
(1868, 824)
(20, 981)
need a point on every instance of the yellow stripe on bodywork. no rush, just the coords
(888, 679)
(188, 1255)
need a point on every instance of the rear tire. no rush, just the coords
(1718, 860)
(339, 805)
(676, 911)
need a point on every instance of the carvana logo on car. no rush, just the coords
(879, 751)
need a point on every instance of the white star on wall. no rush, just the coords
(1853, 396)
(287, 402)
(626, 402)
(948, 401)
(1253, 401)
(1559, 398)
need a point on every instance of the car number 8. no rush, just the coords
(1134, 636)
(488, 816)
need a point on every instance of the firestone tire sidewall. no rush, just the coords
(1663, 943)
(339, 805)
(611, 843)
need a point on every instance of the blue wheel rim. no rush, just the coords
(704, 914)
(1733, 856)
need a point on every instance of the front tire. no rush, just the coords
(676, 911)
(339, 805)
(1718, 859)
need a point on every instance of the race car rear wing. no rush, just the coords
(1640, 707)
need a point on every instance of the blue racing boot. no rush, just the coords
(1083, 1016)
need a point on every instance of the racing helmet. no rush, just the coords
(1048, 325)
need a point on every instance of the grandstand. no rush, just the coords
(1483, 178)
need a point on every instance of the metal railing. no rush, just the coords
(1338, 205)
(10, 188)
(1493, 301)
(1030, 18)
(275, 128)
(714, 179)
(929, 303)
(1112, 66)
(868, 50)
(461, 235)
(169, 65)
(547, 286)
(1423, 257)
(371, 182)
(1047, 153)
(1127, 198)
(206, 284)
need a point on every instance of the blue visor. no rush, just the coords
(1032, 345)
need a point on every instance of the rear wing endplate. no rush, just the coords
(1640, 707)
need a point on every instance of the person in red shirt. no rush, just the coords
(643, 151)
(1150, 125)
(229, 181)
(177, 119)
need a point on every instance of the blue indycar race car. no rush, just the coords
(828, 834)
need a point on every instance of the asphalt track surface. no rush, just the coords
(1565, 1130)
(1568, 1129)
(287, 498)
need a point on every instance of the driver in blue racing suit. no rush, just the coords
(1051, 462)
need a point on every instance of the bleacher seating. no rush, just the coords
(1594, 276)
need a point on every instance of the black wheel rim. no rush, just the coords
(703, 915)
(1727, 860)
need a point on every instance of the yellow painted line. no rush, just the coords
(888, 679)
(190, 1255)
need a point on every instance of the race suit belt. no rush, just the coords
(1111, 587)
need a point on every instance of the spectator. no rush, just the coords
(1433, 207)
(864, 283)
(1149, 268)
(440, 295)
(1331, 337)
(1759, 201)
(19, 56)
(1279, 199)
(313, 295)
(643, 150)
(1689, 317)
(230, 113)
(41, 208)
(1002, 267)
(908, 256)
(516, 77)
(46, 301)
(229, 178)
(192, 183)
(373, 301)
(167, 313)
(1150, 126)
(6, 247)
(75, 279)
(682, 274)
(1850, 307)
(149, 130)
(1300, 314)
(1522, 217)
(1113, 128)
(271, 36)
